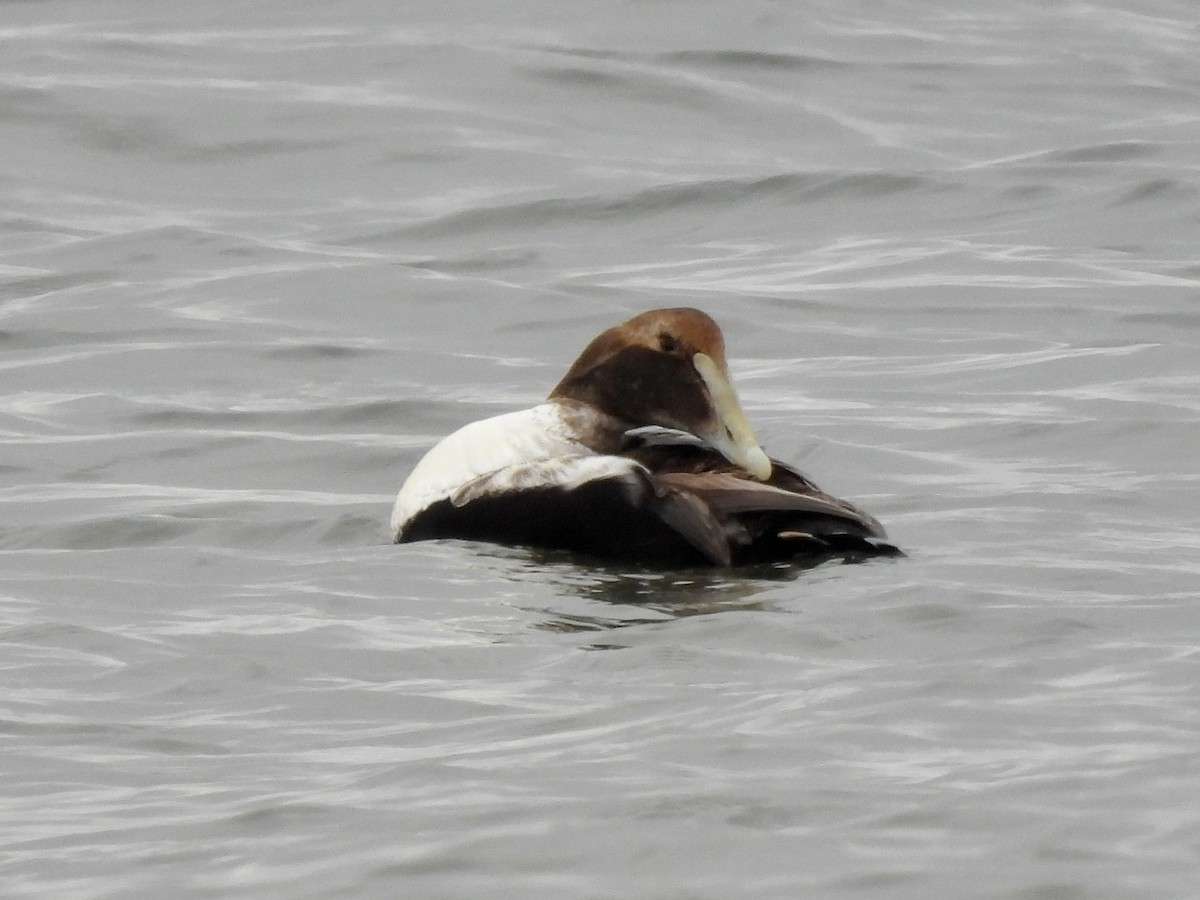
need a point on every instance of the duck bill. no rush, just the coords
(732, 437)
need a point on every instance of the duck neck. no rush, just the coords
(599, 431)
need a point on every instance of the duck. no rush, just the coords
(641, 454)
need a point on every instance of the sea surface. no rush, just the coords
(256, 258)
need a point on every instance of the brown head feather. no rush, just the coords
(681, 332)
(665, 367)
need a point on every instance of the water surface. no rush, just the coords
(253, 265)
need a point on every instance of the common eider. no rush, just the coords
(642, 454)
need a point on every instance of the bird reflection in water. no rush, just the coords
(639, 596)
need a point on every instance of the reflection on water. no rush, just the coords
(673, 596)
(628, 593)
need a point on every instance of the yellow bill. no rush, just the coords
(733, 437)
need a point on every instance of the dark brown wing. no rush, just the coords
(785, 517)
(729, 495)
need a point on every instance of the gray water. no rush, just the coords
(256, 258)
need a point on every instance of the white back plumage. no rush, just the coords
(480, 448)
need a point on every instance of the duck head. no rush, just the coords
(667, 368)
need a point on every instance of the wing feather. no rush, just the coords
(730, 495)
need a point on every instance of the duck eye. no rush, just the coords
(667, 343)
